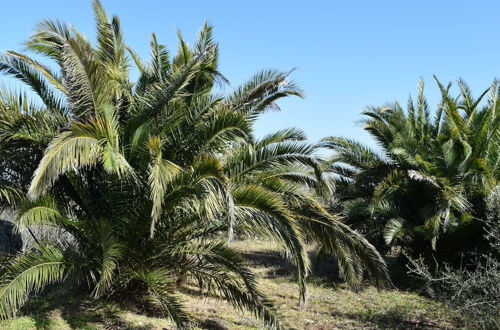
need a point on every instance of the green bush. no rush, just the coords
(473, 288)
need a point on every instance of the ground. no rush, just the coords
(331, 305)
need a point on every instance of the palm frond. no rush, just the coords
(29, 273)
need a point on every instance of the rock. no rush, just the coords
(214, 324)
(10, 241)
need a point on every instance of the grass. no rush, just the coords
(331, 305)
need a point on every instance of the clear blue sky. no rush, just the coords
(348, 53)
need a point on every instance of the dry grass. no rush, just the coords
(331, 305)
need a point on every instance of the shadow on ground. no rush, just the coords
(75, 310)
(78, 312)
(274, 264)
(389, 319)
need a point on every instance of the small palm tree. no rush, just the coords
(431, 175)
(143, 178)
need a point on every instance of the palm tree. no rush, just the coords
(144, 177)
(431, 176)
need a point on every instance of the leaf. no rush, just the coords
(28, 273)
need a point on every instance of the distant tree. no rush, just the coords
(425, 187)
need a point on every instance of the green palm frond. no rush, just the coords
(111, 48)
(83, 145)
(160, 60)
(43, 211)
(288, 134)
(48, 38)
(216, 262)
(70, 150)
(112, 252)
(85, 91)
(160, 284)
(261, 93)
(268, 211)
(393, 230)
(10, 196)
(51, 76)
(161, 173)
(34, 75)
(29, 273)
(355, 255)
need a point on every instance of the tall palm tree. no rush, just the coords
(431, 175)
(144, 177)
